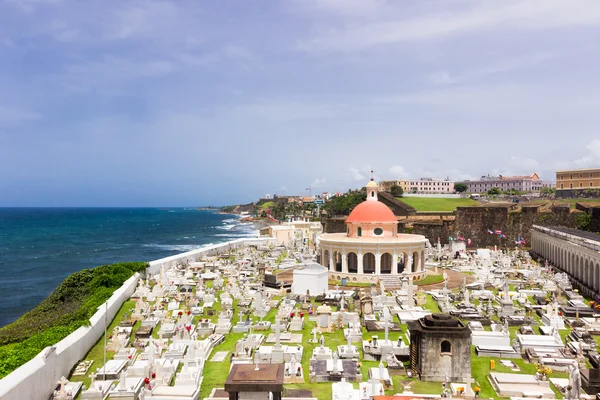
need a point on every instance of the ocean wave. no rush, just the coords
(237, 235)
(174, 247)
(227, 227)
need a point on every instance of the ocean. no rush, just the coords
(39, 247)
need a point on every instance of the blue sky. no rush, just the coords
(166, 103)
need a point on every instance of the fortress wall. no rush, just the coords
(37, 378)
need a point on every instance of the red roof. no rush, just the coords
(371, 211)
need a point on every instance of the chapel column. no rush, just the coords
(395, 262)
(331, 262)
(344, 261)
(360, 267)
(378, 262)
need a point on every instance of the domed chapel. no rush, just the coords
(372, 245)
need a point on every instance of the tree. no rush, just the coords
(396, 191)
(494, 191)
(460, 187)
(547, 191)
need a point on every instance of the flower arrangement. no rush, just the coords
(544, 370)
(146, 380)
(460, 390)
(153, 375)
(598, 307)
(180, 313)
(477, 389)
(301, 315)
(189, 312)
(292, 314)
(592, 303)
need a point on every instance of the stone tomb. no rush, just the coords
(441, 345)
(255, 381)
(518, 385)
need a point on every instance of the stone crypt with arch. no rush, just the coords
(372, 245)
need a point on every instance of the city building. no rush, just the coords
(372, 245)
(576, 182)
(420, 186)
(528, 183)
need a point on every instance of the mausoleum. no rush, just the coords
(440, 348)
(372, 245)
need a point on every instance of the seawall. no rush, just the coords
(37, 378)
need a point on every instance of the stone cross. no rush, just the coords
(92, 380)
(62, 382)
(277, 332)
(386, 319)
(468, 389)
(335, 363)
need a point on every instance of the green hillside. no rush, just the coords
(436, 203)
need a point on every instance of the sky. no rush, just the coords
(188, 103)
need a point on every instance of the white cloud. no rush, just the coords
(503, 66)
(476, 16)
(13, 116)
(592, 159)
(397, 172)
(318, 183)
(523, 166)
(441, 78)
(356, 174)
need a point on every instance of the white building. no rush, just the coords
(310, 277)
(372, 245)
(420, 186)
(528, 183)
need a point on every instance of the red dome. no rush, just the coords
(371, 211)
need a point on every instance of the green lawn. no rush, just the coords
(436, 204)
(430, 280)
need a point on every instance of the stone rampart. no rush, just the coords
(474, 222)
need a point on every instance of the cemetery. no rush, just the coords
(234, 324)
(500, 335)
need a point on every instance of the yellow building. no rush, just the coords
(573, 182)
(420, 186)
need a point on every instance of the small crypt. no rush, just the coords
(440, 348)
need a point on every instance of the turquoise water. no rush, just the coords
(39, 247)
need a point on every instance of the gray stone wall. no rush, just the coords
(435, 364)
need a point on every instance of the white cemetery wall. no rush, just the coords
(37, 378)
(197, 254)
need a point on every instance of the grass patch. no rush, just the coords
(96, 354)
(265, 205)
(351, 284)
(429, 280)
(436, 204)
(67, 308)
